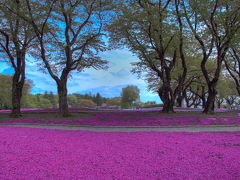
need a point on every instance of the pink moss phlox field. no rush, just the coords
(105, 109)
(135, 118)
(29, 153)
(143, 119)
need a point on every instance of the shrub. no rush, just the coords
(86, 103)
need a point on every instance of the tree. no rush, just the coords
(52, 100)
(232, 62)
(153, 30)
(44, 103)
(195, 87)
(31, 101)
(98, 99)
(69, 34)
(16, 39)
(213, 24)
(226, 91)
(46, 95)
(130, 94)
(73, 100)
(6, 93)
(50, 97)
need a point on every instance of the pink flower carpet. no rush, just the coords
(30, 154)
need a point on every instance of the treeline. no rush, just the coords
(179, 43)
(46, 100)
(129, 97)
(50, 100)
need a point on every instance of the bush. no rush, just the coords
(86, 103)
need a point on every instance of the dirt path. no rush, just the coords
(212, 128)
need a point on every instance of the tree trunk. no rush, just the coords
(179, 100)
(195, 105)
(17, 88)
(219, 104)
(62, 97)
(186, 98)
(203, 99)
(168, 106)
(17, 84)
(209, 106)
(203, 102)
(166, 96)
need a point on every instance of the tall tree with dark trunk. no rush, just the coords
(5, 92)
(226, 91)
(16, 38)
(149, 30)
(70, 34)
(232, 64)
(213, 24)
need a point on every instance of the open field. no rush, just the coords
(27, 153)
(56, 147)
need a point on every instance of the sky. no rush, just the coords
(108, 83)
